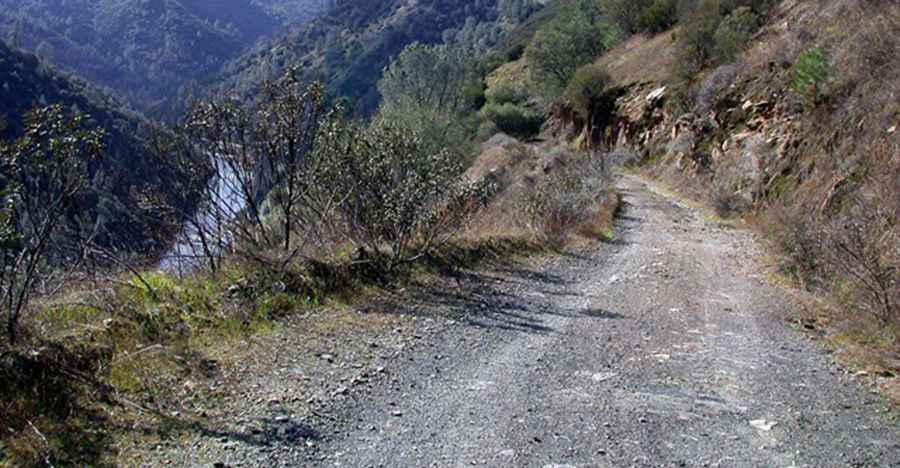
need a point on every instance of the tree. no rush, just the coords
(253, 174)
(696, 40)
(585, 88)
(573, 39)
(41, 176)
(588, 95)
(429, 89)
(626, 13)
(658, 16)
(734, 33)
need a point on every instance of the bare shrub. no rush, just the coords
(715, 83)
(863, 246)
(797, 236)
(568, 198)
(41, 176)
(256, 186)
(728, 203)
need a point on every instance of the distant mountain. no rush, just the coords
(128, 169)
(348, 46)
(146, 50)
(296, 11)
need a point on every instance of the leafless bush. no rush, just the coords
(797, 235)
(41, 175)
(728, 202)
(713, 85)
(864, 247)
(256, 185)
(567, 198)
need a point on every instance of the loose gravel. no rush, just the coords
(665, 347)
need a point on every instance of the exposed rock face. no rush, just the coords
(737, 143)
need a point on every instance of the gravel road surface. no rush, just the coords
(665, 348)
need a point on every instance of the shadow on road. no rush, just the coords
(602, 314)
(507, 296)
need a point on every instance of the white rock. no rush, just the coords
(656, 94)
(762, 424)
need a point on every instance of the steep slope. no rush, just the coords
(350, 45)
(128, 168)
(144, 50)
(800, 135)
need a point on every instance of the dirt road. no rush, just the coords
(664, 349)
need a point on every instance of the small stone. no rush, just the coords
(762, 424)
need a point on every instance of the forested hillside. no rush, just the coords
(147, 51)
(296, 11)
(126, 169)
(348, 47)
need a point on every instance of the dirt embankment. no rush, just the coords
(819, 175)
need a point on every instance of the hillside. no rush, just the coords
(797, 135)
(127, 170)
(146, 51)
(350, 45)
(295, 11)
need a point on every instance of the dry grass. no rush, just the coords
(641, 59)
(515, 72)
(547, 194)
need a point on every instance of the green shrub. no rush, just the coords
(587, 85)
(626, 13)
(658, 17)
(515, 52)
(514, 120)
(402, 199)
(506, 93)
(611, 35)
(734, 33)
(811, 74)
(696, 40)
